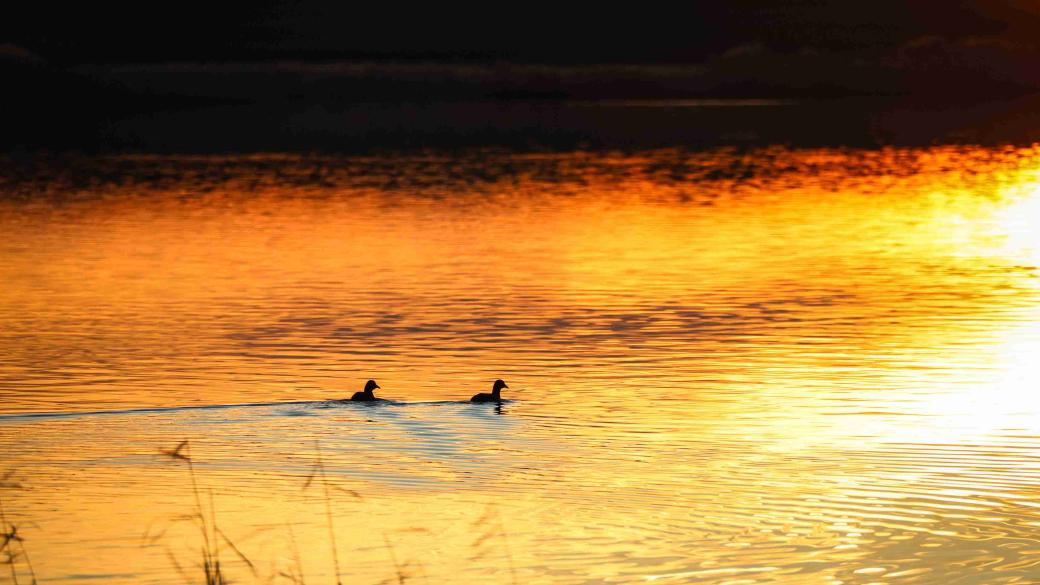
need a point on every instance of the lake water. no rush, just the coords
(729, 366)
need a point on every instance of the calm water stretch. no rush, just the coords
(758, 366)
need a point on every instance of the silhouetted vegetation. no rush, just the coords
(212, 535)
(491, 532)
(214, 539)
(13, 552)
(490, 536)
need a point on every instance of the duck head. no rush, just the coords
(499, 385)
(370, 386)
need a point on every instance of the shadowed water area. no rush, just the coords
(726, 366)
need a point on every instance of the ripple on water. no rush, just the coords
(773, 366)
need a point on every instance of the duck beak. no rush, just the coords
(504, 386)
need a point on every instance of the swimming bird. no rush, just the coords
(366, 395)
(495, 396)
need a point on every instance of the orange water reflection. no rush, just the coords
(773, 366)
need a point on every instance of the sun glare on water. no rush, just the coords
(995, 393)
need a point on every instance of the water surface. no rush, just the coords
(729, 366)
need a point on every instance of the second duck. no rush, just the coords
(366, 395)
(494, 396)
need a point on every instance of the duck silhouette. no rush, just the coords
(366, 395)
(494, 396)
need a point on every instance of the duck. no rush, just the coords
(494, 396)
(366, 395)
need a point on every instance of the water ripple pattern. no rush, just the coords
(728, 366)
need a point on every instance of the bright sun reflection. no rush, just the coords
(1011, 400)
(998, 396)
(1006, 402)
(1019, 221)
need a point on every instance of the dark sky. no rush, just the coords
(315, 30)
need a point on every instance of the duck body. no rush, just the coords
(494, 396)
(366, 395)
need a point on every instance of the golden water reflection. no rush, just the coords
(779, 366)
